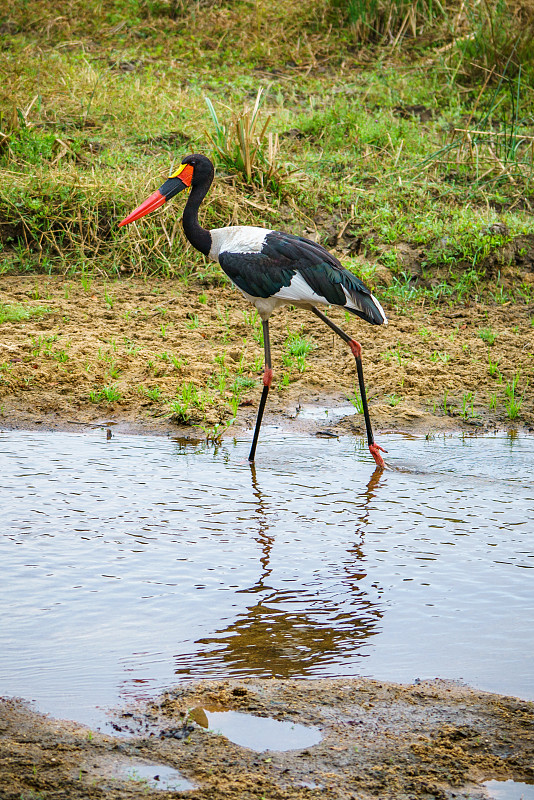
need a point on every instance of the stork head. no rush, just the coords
(194, 169)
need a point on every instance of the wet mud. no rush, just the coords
(380, 740)
(430, 369)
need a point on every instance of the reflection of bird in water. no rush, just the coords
(271, 269)
(373, 482)
(356, 556)
(288, 632)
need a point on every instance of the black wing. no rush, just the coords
(282, 255)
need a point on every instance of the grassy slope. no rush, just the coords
(103, 97)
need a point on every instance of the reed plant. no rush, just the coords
(244, 145)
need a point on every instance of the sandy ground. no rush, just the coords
(380, 740)
(430, 369)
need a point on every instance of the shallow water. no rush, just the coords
(509, 790)
(258, 733)
(131, 564)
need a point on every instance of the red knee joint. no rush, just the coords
(375, 452)
(356, 348)
(267, 377)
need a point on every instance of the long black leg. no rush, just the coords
(267, 379)
(357, 353)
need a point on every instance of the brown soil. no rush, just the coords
(138, 335)
(380, 740)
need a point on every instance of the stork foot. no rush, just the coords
(375, 449)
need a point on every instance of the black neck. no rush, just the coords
(199, 237)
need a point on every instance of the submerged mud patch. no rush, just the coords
(380, 740)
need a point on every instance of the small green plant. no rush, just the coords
(221, 382)
(86, 282)
(513, 406)
(402, 290)
(215, 433)
(113, 370)
(439, 356)
(242, 382)
(251, 317)
(500, 295)
(512, 403)
(467, 405)
(393, 399)
(193, 322)
(178, 362)
(108, 394)
(186, 396)
(356, 400)
(61, 355)
(493, 367)
(43, 344)
(153, 394)
(131, 347)
(399, 353)
(487, 335)
(297, 348)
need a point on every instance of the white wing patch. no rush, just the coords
(299, 291)
(237, 239)
(377, 304)
(353, 303)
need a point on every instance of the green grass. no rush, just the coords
(106, 394)
(423, 144)
(18, 313)
(393, 399)
(297, 347)
(487, 335)
(153, 394)
(188, 399)
(513, 403)
(356, 400)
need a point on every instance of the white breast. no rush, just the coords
(237, 239)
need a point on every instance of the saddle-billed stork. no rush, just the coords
(271, 269)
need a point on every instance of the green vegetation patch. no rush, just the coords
(369, 125)
(18, 313)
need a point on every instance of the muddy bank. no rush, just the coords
(95, 351)
(380, 740)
